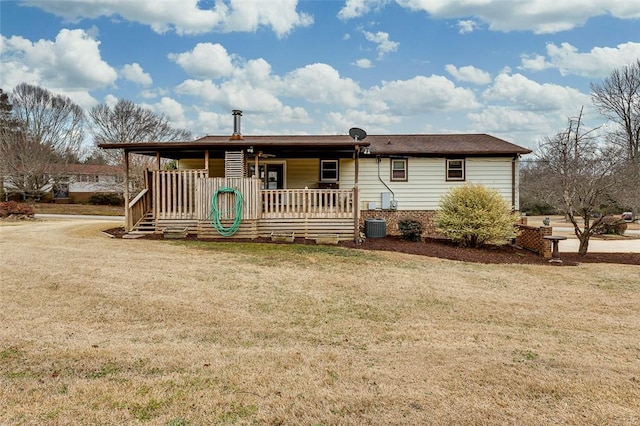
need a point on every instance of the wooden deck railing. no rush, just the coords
(175, 193)
(307, 203)
(138, 208)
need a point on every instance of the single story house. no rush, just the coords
(309, 186)
(75, 183)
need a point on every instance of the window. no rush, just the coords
(399, 169)
(328, 170)
(455, 169)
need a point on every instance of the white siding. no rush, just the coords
(427, 182)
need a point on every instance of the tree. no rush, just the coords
(41, 133)
(618, 99)
(576, 175)
(128, 122)
(473, 215)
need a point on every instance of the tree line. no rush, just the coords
(585, 173)
(42, 133)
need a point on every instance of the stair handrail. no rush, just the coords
(138, 207)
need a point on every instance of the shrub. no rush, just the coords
(9, 208)
(106, 199)
(410, 229)
(611, 225)
(473, 215)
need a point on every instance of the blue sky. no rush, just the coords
(516, 69)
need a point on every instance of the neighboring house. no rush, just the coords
(78, 182)
(85, 180)
(313, 185)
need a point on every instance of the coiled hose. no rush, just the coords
(215, 214)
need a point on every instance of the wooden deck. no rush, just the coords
(183, 198)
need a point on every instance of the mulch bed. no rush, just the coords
(444, 249)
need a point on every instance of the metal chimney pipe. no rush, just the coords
(237, 134)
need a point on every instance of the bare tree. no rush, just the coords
(576, 175)
(618, 99)
(128, 122)
(49, 119)
(41, 134)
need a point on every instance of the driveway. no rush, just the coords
(571, 245)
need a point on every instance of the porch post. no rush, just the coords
(157, 160)
(356, 199)
(206, 161)
(127, 213)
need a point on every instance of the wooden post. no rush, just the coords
(127, 213)
(158, 160)
(356, 199)
(206, 161)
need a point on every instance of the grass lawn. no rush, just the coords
(77, 209)
(110, 331)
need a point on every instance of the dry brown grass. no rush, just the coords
(108, 331)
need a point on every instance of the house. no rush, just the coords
(75, 183)
(309, 186)
(85, 180)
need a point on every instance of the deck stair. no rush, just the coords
(147, 225)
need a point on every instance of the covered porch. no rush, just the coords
(211, 207)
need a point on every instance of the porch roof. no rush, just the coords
(336, 145)
(283, 146)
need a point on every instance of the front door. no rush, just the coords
(271, 175)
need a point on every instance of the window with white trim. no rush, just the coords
(455, 169)
(329, 170)
(399, 168)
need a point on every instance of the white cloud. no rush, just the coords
(356, 8)
(321, 83)
(529, 95)
(598, 63)
(382, 40)
(467, 26)
(422, 94)
(186, 16)
(535, 63)
(71, 62)
(206, 60)
(364, 63)
(469, 74)
(135, 73)
(538, 16)
(169, 107)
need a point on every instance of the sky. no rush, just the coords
(515, 69)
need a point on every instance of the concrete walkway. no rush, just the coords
(571, 245)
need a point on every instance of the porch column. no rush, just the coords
(127, 213)
(356, 199)
(206, 161)
(157, 160)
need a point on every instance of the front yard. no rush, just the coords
(109, 331)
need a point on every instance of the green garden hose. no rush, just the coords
(214, 212)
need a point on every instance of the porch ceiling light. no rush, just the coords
(250, 150)
(366, 150)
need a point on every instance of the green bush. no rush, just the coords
(410, 229)
(473, 215)
(106, 199)
(9, 208)
(612, 225)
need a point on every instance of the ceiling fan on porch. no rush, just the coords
(264, 155)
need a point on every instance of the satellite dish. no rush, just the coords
(357, 134)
